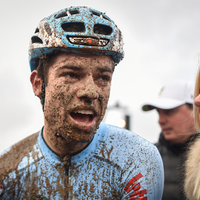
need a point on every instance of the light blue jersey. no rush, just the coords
(117, 164)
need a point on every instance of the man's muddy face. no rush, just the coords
(76, 95)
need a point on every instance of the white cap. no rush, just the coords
(172, 95)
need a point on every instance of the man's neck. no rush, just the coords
(60, 146)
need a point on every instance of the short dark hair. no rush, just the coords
(43, 65)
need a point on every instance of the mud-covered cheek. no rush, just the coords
(104, 99)
(56, 100)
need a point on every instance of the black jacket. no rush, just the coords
(173, 156)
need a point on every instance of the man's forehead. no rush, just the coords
(80, 60)
(85, 57)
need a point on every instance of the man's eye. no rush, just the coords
(104, 79)
(70, 75)
(171, 111)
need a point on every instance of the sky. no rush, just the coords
(161, 43)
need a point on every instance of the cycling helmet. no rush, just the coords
(80, 30)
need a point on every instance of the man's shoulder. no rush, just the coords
(131, 153)
(124, 144)
(130, 138)
(10, 158)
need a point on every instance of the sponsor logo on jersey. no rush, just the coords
(133, 187)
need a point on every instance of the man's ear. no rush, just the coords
(36, 84)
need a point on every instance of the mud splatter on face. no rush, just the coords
(76, 98)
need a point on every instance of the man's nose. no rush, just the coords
(197, 101)
(162, 119)
(88, 89)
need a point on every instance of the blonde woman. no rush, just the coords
(192, 166)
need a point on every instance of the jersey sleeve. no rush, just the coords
(143, 178)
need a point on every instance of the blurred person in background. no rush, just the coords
(174, 105)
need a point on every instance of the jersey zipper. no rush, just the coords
(67, 164)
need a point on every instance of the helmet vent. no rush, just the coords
(74, 27)
(102, 29)
(100, 15)
(73, 12)
(64, 14)
(67, 13)
(36, 39)
(37, 30)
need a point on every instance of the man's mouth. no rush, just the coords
(166, 130)
(83, 116)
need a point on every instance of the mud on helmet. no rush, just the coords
(80, 30)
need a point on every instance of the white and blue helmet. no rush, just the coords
(80, 30)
